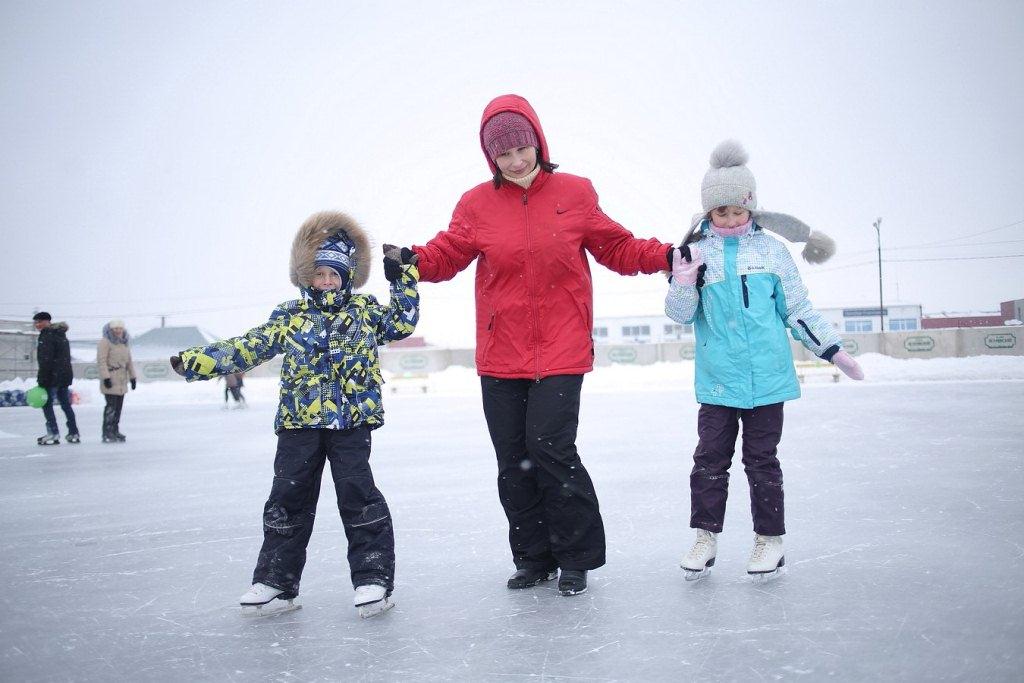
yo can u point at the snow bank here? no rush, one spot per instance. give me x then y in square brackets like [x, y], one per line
[459, 381]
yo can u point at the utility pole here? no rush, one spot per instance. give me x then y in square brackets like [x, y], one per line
[881, 310]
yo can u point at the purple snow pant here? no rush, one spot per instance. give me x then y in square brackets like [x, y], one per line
[717, 427]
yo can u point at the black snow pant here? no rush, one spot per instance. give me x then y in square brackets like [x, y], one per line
[63, 396]
[290, 511]
[548, 497]
[717, 427]
[112, 414]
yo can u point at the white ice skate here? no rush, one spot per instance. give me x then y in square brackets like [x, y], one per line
[259, 595]
[767, 560]
[48, 440]
[701, 558]
[372, 600]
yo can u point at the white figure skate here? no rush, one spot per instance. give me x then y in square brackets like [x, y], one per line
[701, 558]
[767, 560]
[259, 595]
[372, 599]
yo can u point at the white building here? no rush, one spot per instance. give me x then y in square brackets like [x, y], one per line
[653, 329]
[639, 329]
[897, 318]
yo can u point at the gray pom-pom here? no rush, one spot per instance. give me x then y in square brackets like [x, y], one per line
[729, 153]
[819, 248]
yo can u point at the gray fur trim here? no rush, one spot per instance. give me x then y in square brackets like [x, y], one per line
[312, 234]
[729, 153]
[819, 248]
[783, 225]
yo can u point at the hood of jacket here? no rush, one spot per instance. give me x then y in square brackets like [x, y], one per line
[109, 336]
[60, 329]
[312, 234]
[519, 105]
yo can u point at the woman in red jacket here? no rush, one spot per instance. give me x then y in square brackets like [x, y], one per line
[530, 229]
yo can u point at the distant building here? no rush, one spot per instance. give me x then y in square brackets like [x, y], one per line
[161, 343]
[853, 319]
[1008, 310]
[17, 349]
[639, 329]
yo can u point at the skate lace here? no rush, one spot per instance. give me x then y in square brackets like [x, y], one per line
[760, 548]
[701, 545]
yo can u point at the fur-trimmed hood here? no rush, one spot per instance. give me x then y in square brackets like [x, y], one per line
[312, 234]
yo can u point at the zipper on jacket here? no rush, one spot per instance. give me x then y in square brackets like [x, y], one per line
[808, 331]
[746, 295]
[533, 298]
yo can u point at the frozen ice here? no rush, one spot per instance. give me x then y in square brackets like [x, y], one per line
[905, 542]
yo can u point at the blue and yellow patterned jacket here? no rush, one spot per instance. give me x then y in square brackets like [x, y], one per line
[330, 376]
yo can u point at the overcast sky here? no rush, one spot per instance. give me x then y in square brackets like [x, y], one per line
[157, 157]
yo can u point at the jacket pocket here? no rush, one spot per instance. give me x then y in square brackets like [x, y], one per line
[489, 344]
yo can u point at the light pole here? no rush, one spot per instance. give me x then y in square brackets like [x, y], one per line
[881, 310]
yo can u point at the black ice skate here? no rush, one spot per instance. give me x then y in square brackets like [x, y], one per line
[527, 578]
[48, 440]
[572, 582]
[73, 438]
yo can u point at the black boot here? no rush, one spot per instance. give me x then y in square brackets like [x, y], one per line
[572, 582]
[524, 578]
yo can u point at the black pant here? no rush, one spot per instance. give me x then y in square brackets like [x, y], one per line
[552, 509]
[290, 511]
[62, 396]
[112, 414]
[717, 427]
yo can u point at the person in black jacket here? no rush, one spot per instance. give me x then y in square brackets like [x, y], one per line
[54, 356]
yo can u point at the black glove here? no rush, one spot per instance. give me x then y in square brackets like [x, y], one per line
[132, 380]
[395, 258]
[107, 383]
[177, 365]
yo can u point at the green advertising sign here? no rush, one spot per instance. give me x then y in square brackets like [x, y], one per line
[1000, 341]
[851, 346]
[415, 361]
[919, 343]
[622, 354]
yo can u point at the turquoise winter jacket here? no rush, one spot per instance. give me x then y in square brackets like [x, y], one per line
[752, 292]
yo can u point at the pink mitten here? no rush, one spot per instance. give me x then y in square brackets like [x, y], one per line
[685, 272]
[848, 365]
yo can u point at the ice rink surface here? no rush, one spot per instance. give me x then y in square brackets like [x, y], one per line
[905, 548]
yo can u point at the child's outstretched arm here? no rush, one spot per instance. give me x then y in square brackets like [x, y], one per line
[808, 326]
[237, 354]
[403, 311]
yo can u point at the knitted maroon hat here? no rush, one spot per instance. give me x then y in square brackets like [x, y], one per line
[507, 130]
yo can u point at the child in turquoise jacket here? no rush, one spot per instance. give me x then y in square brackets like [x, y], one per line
[742, 291]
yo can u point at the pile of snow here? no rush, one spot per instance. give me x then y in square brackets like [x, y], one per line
[659, 377]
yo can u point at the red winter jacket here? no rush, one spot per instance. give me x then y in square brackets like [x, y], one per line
[534, 294]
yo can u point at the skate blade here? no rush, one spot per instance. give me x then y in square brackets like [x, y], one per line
[568, 592]
[696, 574]
[761, 578]
[265, 611]
[373, 609]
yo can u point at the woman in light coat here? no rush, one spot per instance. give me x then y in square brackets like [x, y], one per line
[114, 362]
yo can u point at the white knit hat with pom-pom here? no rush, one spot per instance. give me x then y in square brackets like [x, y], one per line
[728, 182]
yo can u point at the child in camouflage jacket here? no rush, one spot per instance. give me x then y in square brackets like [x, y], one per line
[330, 401]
